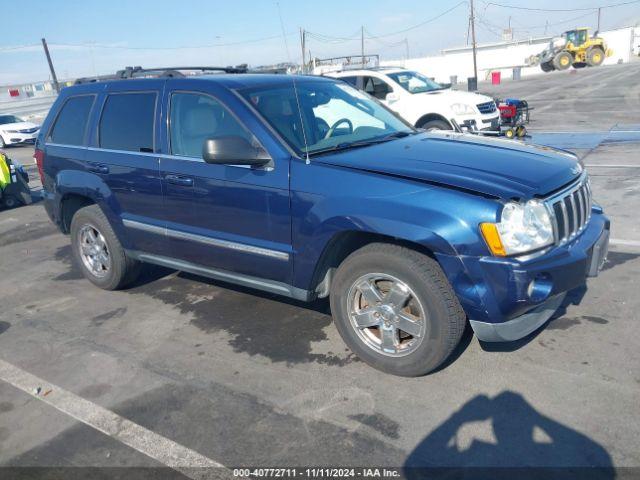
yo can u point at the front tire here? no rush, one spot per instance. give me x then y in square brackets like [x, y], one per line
[435, 125]
[2, 144]
[395, 309]
[547, 66]
[98, 252]
[563, 61]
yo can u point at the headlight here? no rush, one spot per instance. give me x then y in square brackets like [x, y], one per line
[522, 228]
[12, 131]
[462, 109]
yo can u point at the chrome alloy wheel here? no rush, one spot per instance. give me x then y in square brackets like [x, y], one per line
[94, 251]
[386, 314]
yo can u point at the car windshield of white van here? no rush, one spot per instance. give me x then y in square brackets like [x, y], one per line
[414, 82]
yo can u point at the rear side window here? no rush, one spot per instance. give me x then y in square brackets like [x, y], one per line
[71, 123]
[353, 81]
[376, 87]
[127, 122]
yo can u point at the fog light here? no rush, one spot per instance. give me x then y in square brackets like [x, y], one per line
[540, 288]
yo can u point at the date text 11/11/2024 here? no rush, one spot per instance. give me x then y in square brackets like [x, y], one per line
[316, 472]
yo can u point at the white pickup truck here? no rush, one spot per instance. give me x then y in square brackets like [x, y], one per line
[423, 102]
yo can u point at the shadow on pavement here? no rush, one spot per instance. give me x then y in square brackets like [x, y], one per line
[505, 437]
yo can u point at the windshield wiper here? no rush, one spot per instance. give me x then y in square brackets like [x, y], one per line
[362, 143]
[339, 147]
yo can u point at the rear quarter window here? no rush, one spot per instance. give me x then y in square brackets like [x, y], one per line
[127, 122]
[71, 124]
[353, 81]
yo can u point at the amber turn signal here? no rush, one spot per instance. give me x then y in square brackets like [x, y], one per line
[492, 237]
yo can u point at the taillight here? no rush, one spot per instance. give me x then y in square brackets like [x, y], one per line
[38, 157]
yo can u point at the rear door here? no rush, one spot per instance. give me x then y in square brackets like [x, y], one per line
[226, 217]
[65, 143]
[123, 153]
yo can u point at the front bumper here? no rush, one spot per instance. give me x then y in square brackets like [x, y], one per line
[506, 298]
[18, 138]
[520, 326]
[477, 123]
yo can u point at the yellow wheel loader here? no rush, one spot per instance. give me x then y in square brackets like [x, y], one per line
[574, 47]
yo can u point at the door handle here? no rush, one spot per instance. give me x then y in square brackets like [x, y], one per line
[178, 180]
[98, 168]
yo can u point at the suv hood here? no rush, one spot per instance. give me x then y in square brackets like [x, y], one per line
[500, 168]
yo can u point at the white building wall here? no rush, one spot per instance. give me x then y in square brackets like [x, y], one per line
[504, 57]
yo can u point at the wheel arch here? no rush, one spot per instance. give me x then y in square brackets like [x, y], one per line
[75, 189]
[344, 243]
[431, 116]
[70, 203]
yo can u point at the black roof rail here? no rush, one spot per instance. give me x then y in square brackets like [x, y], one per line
[158, 72]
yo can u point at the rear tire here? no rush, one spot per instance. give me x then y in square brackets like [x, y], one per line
[410, 292]
[563, 61]
[102, 261]
[435, 125]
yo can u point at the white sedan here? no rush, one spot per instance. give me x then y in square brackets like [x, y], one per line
[14, 130]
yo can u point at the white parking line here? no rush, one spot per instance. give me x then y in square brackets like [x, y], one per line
[167, 452]
[8, 220]
[592, 165]
[626, 243]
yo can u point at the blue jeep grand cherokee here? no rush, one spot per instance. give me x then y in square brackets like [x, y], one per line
[306, 187]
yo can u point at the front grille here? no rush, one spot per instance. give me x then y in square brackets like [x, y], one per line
[487, 107]
[571, 210]
[28, 130]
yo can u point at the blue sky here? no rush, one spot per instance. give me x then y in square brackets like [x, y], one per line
[92, 36]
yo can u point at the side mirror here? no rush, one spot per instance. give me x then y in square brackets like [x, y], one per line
[392, 97]
[233, 150]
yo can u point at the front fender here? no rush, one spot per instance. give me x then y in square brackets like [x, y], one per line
[442, 220]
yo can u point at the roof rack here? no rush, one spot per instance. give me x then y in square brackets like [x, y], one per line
[385, 67]
[160, 72]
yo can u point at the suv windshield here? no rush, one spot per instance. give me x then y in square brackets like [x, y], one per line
[336, 116]
[4, 119]
[414, 82]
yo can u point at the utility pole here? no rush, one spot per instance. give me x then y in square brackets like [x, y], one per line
[362, 44]
[599, 9]
[473, 44]
[53, 72]
[406, 45]
[303, 39]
